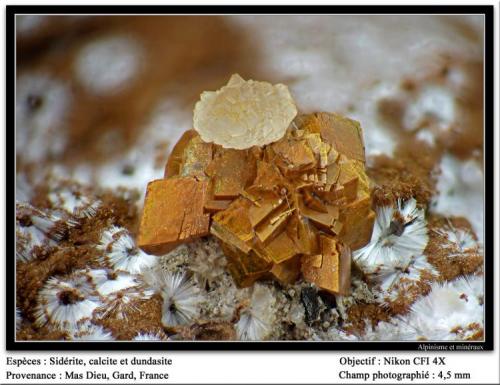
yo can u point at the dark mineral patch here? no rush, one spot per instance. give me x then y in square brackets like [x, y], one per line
[328, 299]
[310, 299]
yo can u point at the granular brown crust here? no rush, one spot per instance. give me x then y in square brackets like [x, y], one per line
[359, 313]
[408, 174]
[76, 251]
[411, 292]
[145, 319]
[450, 268]
[28, 332]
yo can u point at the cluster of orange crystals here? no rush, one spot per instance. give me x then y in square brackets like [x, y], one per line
[298, 205]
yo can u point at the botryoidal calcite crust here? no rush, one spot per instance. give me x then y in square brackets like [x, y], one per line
[295, 206]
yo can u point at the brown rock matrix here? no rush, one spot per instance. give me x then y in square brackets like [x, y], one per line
[298, 205]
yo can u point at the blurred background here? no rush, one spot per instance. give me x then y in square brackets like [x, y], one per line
[101, 100]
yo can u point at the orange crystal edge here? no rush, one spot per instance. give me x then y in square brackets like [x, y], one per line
[296, 206]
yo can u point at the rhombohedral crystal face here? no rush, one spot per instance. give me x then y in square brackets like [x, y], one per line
[296, 206]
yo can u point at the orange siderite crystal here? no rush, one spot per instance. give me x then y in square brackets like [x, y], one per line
[164, 225]
[295, 206]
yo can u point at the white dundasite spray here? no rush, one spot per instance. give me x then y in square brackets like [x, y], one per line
[64, 303]
[150, 337]
[256, 320]
[29, 241]
[181, 298]
[394, 259]
[74, 202]
[54, 224]
[452, 310]
[399, 234]
[120, 293]
[121, 253]
[88, 331]
[396, 280]
[459, 242]
[207, 261]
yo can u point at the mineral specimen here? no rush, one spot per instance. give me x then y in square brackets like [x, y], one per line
[173, 213]
[298, 205]
[244, 113]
